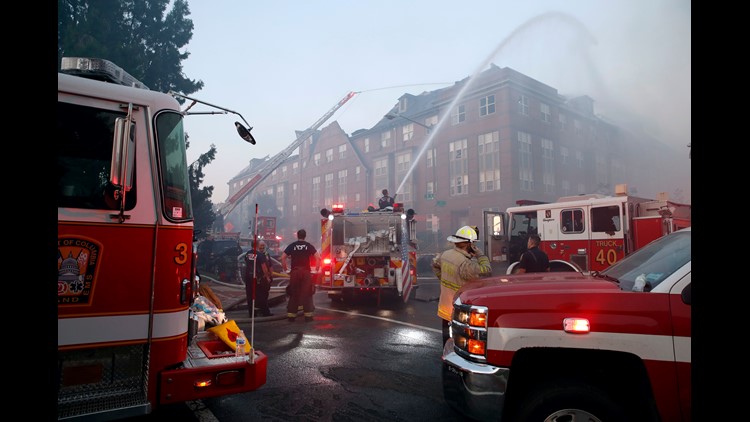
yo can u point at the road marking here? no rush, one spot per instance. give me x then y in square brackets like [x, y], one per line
[421, 327]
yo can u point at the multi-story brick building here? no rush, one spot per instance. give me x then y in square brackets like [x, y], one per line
[452, 153]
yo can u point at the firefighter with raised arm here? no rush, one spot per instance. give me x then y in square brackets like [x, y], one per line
[460, 264]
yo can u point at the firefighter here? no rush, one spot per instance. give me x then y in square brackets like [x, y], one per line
[534, 260]
[457, 266]
[301, 288]
[386, 200]
[263, 278]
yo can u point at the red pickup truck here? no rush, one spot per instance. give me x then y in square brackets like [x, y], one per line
[610, 346]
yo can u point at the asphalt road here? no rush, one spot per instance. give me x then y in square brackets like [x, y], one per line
[354, 362]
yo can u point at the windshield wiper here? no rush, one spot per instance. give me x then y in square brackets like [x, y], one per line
[597, 274]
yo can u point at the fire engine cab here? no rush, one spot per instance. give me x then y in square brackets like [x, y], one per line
[586, 232]
[126, 262]
[371, 252]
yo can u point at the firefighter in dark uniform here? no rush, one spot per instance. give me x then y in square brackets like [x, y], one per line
[262, 279]
[300, 279]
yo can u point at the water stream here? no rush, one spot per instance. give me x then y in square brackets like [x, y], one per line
[544, 17]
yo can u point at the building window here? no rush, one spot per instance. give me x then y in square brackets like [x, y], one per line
[564, 155]
[431, 121]
[563, 119]
[279, 196]
[294, 211]
[489, 161]
[431, 156]
[367, 144]
[342, 152]
[548, 166]
[579, 159]
[385, 139]
[430, 188]
[408, 131]
[295, 168]
[315, 203]
[525, 168]
[328, 189]
[402, 163]
[342, 186]
[405, 193]
[402, 104]
[380, 176]
[601, 171]
[458, 115]
[284, 171]
[316, 159]
[358, 173]
[458, 168]
[329, 155]
[487, 105]
[523, 105]
[295, 191]
[546, 116]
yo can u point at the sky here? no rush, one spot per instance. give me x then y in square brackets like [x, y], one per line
[283, 64]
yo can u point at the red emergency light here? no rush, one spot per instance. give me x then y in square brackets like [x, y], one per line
[338, 208]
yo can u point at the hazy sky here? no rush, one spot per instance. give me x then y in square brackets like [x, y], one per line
[283, 64]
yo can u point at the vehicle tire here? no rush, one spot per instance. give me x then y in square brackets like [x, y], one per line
[568, 400]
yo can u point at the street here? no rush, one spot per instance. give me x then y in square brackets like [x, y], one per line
[354, 362]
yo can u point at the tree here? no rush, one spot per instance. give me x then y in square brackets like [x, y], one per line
[140, 36]
[203, 212]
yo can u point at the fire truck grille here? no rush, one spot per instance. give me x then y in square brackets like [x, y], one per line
[101, 380]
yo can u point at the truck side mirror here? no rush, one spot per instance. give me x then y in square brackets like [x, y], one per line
[244, 133]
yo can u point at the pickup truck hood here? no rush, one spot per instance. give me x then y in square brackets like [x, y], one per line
[544, 300]
[535, 283]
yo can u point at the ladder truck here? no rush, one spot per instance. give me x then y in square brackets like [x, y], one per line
[270, 165]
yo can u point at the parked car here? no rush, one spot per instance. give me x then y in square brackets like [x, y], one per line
[218, 257]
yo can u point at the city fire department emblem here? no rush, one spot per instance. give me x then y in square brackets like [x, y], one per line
[77, 260]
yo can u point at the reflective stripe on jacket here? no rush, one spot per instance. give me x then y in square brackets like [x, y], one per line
[453, 267]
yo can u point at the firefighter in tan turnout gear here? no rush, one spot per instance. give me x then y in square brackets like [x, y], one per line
[462, 263]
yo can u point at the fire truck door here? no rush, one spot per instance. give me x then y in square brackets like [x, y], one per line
[494, 236]
[550, 226]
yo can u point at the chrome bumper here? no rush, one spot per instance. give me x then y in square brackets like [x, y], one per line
[477, 390]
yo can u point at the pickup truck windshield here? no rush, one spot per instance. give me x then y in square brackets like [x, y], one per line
[657, 260]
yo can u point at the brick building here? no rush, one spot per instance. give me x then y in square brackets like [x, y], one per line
[450, 154]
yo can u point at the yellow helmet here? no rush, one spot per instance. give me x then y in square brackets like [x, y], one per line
[464, 234]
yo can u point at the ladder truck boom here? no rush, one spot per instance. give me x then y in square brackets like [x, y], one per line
[279, 158]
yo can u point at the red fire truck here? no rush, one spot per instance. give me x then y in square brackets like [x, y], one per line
[368, 253]
[591, 232]
[126, 261]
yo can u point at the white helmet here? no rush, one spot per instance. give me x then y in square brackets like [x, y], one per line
[464, 234]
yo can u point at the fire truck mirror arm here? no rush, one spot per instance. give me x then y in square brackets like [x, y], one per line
[243, 131]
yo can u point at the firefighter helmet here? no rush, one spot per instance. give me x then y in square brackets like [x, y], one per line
[464, 234]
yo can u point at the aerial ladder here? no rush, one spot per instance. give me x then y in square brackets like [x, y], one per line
[270, 165]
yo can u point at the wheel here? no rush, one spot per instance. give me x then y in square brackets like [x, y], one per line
[569, 401]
